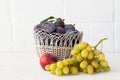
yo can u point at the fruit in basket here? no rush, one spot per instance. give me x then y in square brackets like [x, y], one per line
[46, 59]
[60, 22]
[59, 30]
[69, 27]
[49, 26]
[52, 24]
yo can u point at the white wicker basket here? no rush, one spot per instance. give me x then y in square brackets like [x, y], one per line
[56, 44]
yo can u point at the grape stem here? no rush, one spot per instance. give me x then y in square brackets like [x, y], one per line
[95, 47]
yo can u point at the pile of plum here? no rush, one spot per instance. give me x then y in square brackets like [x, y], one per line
[53, 31]
[56, 25]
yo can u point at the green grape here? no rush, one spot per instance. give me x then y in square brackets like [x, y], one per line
[75, 51]
[58, 72]
[90, 69]
[95, 64]
[52, 72]
[73, 70]
[99, 69]
[104, 63]
[101, 56]
[53, 66]
[60, 64]
[77, 66]
[96, 58]
[47, 67]
[89, 48]
[73, 58]
[84, 53]
[96, 52]
[65, 62]
[65, 70]
[90, 55]
[79, 58]
[106, 69]
[83, 64]
[84, 70]
[76, 46]
[70, 61]
[83, 45]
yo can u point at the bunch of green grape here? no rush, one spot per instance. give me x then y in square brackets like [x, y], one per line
[85, 58]
[66, 66]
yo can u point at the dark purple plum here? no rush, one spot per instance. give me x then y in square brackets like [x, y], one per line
[60, 30]
[49, 26]
[69, 27]
[60, 22]
[71, 32]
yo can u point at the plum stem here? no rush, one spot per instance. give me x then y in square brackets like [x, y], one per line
[51, 17]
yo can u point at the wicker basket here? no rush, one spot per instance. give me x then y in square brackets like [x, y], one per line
[56, 44]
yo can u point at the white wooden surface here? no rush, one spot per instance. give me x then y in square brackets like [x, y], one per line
[25, 66]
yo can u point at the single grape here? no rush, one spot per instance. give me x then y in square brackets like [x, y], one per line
[47, 67]
[75, 51]
[60, 64]
[96, 58]
[90, 55]
[74, 58]
[70, 61]
[90, 69]
[65, 62]
[58, 72]
[99, 69]
[95, 64]
[104, 63]
[52, 72]
[96, 52]
[76, 46]
[83, 64]
[65, 70]
[101, 56]
[53, 66]
[73, 70]
[49, 26]
[83, 45]
[106, 69]
[79, 58]
[84, 70]
[89, 48]
[84, 53]
[76, 64]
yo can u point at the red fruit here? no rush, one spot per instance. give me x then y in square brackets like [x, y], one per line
[47, 59]
[59, 22]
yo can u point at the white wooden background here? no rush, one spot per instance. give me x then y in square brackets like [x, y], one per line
[96, 18]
